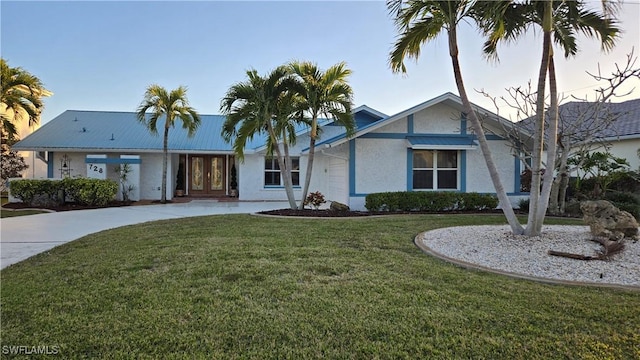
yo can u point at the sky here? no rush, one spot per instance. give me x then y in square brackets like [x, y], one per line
[102, 55]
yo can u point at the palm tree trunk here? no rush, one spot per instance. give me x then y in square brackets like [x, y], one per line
[288, 183]
[505, 204]
[533, 221]
[288, 187]
[312, 151]
[551, 145]
[165, 146]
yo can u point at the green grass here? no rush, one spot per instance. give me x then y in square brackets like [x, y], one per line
[4, 213]
[9, 213]
[240, 286]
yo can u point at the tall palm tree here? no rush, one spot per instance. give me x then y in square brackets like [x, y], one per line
[324, 93]
[422, 21]
[20, 94]
[172, 106]
[263, 105]
[560, 21]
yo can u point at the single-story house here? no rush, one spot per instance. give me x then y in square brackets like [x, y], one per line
[426, 147]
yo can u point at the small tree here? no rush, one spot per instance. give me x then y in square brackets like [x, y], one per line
[172, 106]
[12, 164]
[123, 171]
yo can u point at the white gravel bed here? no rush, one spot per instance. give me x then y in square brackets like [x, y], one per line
[497, 248]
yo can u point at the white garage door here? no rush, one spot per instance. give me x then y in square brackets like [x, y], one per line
[338, 181]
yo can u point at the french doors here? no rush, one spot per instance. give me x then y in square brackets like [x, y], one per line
[207, 175]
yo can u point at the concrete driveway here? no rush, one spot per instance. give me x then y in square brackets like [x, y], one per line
[24, 236]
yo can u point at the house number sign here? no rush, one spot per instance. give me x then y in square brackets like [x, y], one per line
[96, 171]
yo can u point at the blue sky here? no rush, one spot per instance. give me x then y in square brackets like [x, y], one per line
[102, 55]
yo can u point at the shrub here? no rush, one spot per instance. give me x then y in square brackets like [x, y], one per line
[429, 201]
[81, 190]
[95, 191]
[315, 199]
[523, 205]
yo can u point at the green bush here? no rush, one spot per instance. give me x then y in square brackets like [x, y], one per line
[93, 191]
[523, 205]
[25, 190]
[625, 201]
[429, 201]
[81, 190]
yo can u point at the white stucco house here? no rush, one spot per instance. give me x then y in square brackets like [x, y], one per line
[424, 148]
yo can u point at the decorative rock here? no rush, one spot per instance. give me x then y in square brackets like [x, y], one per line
[337, 206]
[608, 221]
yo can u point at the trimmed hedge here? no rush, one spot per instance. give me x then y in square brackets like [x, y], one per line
[429, 201]
[93, 192]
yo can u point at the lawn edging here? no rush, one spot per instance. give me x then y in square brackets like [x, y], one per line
[471, 266]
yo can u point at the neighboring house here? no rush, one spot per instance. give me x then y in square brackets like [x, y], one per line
[622, 136]
[615, 126]
[36, 160]
[427, 147]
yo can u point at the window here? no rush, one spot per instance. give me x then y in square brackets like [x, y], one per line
[272, 176]
[42, 155]
[435, 169]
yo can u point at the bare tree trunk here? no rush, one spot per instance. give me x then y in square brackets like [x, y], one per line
[505, 204]
[562, 196]
[554, 207]
[165, 146]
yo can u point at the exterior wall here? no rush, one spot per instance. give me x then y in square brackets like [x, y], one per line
[150, 171]
[395, 127]
[380, 165]
[627, 149]
[438, 119]
[251, 180]
[478, 179]
[151, 176]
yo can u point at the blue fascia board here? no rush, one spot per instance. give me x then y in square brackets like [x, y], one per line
[111, 161]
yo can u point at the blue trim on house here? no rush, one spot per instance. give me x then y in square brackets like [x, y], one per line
[409, 169]
[352, 167]
[463, 171]
[111, 161]
[50, 164]
[410, 124]
[405, 135]
[279, 187]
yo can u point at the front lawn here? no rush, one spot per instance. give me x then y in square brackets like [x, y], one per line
[242, 286]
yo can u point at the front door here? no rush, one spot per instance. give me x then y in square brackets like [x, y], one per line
[207, 175]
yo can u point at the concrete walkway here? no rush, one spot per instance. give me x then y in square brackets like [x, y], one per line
[24, 236]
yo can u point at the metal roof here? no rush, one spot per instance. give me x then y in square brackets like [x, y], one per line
[121, 131]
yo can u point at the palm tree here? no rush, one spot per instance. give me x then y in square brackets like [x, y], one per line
[21, 94]
[172, 106]
[324, 93]
[263, 105]
[422, 21]
[560, 21]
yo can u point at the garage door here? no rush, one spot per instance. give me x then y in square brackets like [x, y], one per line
[338, 182]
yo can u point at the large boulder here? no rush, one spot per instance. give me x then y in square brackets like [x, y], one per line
[338, 206]
[608, 221]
